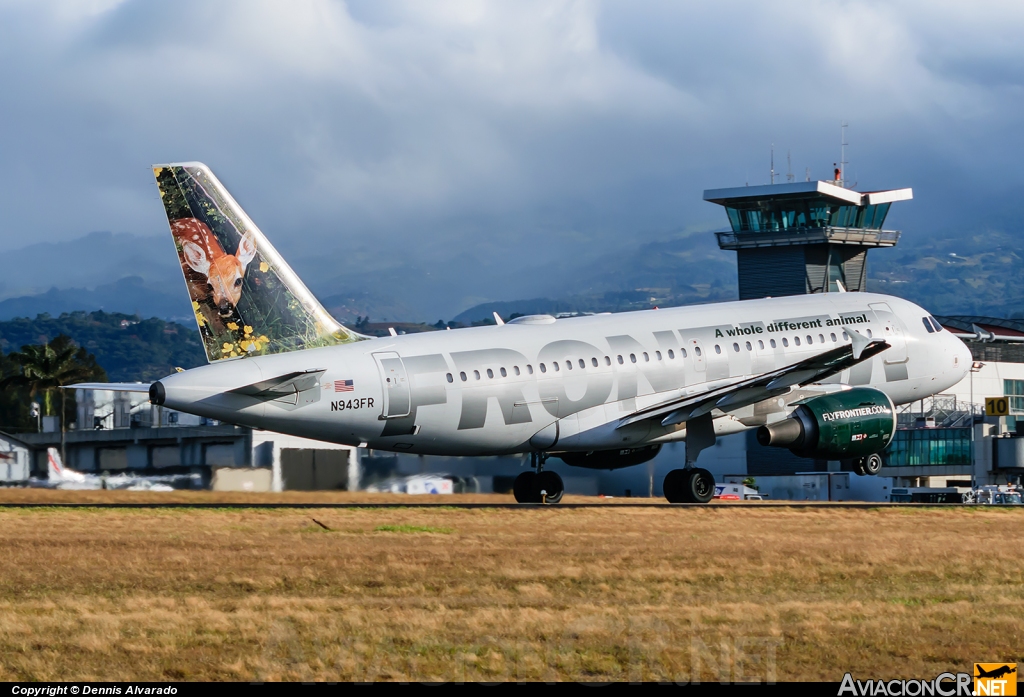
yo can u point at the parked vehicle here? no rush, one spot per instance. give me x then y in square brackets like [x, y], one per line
[1002, 495]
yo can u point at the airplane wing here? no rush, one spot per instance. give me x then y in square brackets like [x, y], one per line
[114, 386]
[760, 387]
[284, 385]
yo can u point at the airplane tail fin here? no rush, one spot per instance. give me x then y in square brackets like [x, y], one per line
[56, 472]
[246, 298]
[54, 466]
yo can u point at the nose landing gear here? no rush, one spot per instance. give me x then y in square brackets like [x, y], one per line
[542, 486]
[870, 465]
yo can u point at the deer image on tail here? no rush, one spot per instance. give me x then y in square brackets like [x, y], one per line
[222, 272]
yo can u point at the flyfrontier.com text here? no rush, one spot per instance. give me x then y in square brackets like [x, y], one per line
[792, 326]
[854, 413]
[945, 685]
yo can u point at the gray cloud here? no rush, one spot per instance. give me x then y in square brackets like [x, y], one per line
[477, 141]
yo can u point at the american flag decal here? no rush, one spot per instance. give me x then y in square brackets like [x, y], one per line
[344, 385]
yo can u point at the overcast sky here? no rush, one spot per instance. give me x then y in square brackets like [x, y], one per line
[496, 130]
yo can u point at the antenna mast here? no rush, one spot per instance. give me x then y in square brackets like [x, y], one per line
[789, 167]
[773, 163]
[842, 153]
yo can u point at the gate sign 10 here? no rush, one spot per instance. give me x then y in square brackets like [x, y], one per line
[997, 406]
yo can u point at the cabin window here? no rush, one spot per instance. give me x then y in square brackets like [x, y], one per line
[583, 363]
[657, 354]
[696, 349]
[671, 354]
[593, 362]
[869, 334]
[568, 365]
[796, 340]
[749, 347]
[555, 367]
[718, 349]
[632, 358]
[760, 344]
[503, 373]
[736, 347]
[515, 369]
[809, 340]
[846, 337]
[449, 377]
[490, 373]
[833, 335]
[529, 369]
[647, 359]
[462, 376]
[607, 360]
[620, 360]
[543, 368]
[785, 341]
[682, 352]
[774, 345]
[821, 338]
[476, 374]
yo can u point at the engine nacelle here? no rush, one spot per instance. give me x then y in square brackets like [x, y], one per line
[848, 424]
[611, 459]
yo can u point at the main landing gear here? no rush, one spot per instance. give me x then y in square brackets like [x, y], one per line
[542, 486]
[693, 485]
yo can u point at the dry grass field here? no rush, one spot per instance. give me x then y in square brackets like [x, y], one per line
[496, 594]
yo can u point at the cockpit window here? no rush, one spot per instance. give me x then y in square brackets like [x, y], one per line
[935, 323]
[928, 324]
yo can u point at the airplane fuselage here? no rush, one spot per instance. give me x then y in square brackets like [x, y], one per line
[541, 384]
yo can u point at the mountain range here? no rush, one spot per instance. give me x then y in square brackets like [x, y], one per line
[958, 272]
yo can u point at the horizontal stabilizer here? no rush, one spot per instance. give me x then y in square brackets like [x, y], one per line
[760, 387]
[113, 386]
[283, 385]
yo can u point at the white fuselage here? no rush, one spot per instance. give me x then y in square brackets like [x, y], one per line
[564, 385]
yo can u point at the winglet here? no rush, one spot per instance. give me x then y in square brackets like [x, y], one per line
[982, 335]
[497, 319]
[859, 341]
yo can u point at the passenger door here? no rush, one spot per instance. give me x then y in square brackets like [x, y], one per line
[895, 358]
[395, 379]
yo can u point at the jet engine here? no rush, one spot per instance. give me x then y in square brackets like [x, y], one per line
[610, 459]
[853, 425]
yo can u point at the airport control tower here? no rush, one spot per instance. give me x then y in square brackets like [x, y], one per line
[803, 237]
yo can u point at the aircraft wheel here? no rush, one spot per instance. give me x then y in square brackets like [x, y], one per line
[700, 486]
[872, 464]
[525, 489]
[550, 483]
[674, 486]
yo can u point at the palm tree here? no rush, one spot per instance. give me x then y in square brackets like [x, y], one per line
[46, 367]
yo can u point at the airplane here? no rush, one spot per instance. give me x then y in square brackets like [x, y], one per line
[61, 477]
[996, 672]
[820, 374]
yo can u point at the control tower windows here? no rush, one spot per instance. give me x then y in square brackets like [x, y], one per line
[802, 212]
